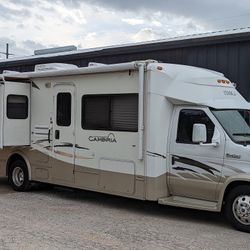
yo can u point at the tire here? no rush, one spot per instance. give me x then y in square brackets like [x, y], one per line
[237, 208]
[18, 176]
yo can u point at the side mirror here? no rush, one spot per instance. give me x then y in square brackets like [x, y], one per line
[199, 133]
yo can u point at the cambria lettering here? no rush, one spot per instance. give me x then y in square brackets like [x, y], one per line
[109, 138]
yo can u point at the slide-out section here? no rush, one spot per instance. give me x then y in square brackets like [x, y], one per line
[14, 113]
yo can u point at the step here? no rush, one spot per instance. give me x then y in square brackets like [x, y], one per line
[180, 201]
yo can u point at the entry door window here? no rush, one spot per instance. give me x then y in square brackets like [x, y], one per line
[63, 112]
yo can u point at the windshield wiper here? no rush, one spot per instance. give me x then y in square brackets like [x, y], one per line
[243, 134]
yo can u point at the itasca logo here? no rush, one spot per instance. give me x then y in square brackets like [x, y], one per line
[109, 138]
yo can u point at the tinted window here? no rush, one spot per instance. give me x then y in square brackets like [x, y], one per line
[124, 113]
[96, 112]
[63, 113]
[17, 107]
[110, 112]
[187, 118]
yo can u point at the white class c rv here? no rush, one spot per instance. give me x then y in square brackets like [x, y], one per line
[175, 134]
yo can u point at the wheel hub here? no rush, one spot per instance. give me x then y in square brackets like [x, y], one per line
[18, 176]
[241, 209]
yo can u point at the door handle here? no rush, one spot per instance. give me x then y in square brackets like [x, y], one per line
[57, 134]
[49, 135]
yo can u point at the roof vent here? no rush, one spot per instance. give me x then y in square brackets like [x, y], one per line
[10, 72]
[55, 50]
[94, 64]
[54, 66]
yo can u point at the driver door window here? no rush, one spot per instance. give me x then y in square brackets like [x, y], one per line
[187, 118]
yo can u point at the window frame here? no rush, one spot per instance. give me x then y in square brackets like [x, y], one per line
[26, 107]
[109, 128]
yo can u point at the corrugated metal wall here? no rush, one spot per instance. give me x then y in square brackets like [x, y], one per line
[227, 54]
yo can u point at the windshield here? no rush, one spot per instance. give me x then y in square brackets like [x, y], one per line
[236, 123]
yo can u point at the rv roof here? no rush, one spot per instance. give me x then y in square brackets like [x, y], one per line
[172, 70]
[186, 84]
[78, 71]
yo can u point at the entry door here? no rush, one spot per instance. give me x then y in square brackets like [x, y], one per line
[195, 170]
[64, 133]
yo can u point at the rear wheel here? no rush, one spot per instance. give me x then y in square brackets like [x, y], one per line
[238, 208]
[18, 176]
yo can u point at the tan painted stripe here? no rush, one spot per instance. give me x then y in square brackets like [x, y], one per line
[188, 176]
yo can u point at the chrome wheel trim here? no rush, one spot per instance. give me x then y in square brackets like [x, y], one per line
[241, 209]
[18, 176]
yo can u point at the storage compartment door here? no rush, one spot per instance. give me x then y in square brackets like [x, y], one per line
[16, 125]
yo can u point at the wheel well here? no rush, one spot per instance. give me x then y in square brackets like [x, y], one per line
[233, 185]
[13, 158]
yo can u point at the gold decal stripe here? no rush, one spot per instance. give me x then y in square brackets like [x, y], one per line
[83, 158]
[64, 153]
[71, 155]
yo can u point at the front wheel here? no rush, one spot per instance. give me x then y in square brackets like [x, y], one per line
[18, 176]
[238, 208]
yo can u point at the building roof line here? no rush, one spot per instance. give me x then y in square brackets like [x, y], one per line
[179, 39]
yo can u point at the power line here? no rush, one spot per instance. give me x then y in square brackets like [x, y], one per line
[228, 17]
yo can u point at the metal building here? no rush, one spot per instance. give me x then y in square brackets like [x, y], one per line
[227, 52]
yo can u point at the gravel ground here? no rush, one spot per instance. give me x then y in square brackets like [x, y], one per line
[73, 219]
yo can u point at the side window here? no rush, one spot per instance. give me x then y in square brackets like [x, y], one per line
[17, 106]
[124, 113]
[95, 112]
[110, 112]
[187, 118]
[63, 110]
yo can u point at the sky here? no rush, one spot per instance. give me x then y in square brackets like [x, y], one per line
[28, 25]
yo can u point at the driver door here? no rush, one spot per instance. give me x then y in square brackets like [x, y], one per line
[195, 170]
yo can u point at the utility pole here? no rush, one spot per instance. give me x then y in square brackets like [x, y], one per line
[7, 51]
